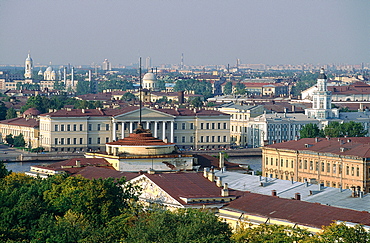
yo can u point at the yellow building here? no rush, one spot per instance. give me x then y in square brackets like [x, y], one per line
[29, 127]
[334, 162]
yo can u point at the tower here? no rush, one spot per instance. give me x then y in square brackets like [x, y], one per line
[321, 105]
[148, 63]
[28, 67]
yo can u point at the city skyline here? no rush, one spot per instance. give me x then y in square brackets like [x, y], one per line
[206, 32]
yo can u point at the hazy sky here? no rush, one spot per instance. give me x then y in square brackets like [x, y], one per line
[206, 31]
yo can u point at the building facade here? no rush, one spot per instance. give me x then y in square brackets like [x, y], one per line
[91, 129]
[334, 162]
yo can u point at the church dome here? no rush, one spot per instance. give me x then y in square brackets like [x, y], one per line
[29, 58]
[49, 69]
[150, 77]
[31, 112]
[40, 73]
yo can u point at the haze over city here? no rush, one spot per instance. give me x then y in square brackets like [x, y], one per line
[207, 32]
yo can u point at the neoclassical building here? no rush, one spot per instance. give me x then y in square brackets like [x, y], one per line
[91, 129]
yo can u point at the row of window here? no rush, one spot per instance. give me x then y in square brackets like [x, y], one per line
[328, 167]
[69, 141]
[80, 127]
[203, 139]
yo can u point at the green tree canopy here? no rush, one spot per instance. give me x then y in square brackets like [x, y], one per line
[228, 88]
[128, 96]
[191, 85]
[11, 113]
[19, 141]
[3, 111]
[310, 130]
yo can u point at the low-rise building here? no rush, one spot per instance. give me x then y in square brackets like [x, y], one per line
[335, 162]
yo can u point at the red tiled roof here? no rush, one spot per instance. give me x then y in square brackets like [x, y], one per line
[140, 139]
[90, 112]
[187, 185]
[92, 172]
[355, 88]
[305, 213]
[353, 146]
[23, 122]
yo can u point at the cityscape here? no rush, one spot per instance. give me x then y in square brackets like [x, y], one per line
[181, 129]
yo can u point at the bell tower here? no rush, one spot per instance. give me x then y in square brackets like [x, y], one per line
[28, 69]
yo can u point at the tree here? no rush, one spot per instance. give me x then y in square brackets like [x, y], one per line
[19, 141]
[128, 96]
[183, 225]
[11, 113]
[228, 88]
[9, 139]
[270, 233]
[240, 88]
[3, 110]
[310, 130]
[342, 233]
[3, 170]
[59, 85]
[350, 129]
[196, 101]
[83, 87]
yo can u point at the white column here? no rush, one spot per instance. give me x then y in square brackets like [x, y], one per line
[164, 130]
[131, 129]
[147, 125]
[172, 128]
[155, 129]
[114, 135]
[123, 130]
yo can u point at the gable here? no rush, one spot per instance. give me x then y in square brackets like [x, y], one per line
[147, 115]
[151, 192]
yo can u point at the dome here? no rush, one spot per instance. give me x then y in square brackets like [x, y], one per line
[150, 77]
[322, 74]
[32, 112]
[40, 72]
[49, 69]
[29, 58]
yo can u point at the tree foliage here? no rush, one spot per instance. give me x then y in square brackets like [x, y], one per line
[228, 88]
[11, 113]
[310, 130]
[3, 111]
[128, 96]
[194, 86]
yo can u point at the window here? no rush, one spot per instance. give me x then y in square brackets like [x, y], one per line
[218, 138]
[183, 126]
[191, 139]
[56, 128]
[291, 164]
[225, 138]
[56, 141]
[347, 170]
[68, 127]
[175, 139]
[207, 139]
[305, 164]
[218, 125]
[300, 164]
[357, 171]
[107, 127]
[68, 140]
[98, 140]
[62, 141]
[107, 139]
[322, 166]
[201, 126]
[207, 126]
[267, 160]
[74, 127]
[311, 165]
[281, 162]
[98, 127]
[183, 139]
[201, 139]
[276, 162]
[213, 126]
[90, 140]
[225, 125]
[213, 139]
[81, 127]
[334, 168]
[62, 128]
[81, 140]
[90, 127]
[352, 171]
[74, 140]
[328, 167]
[175, 126]
[191, 125]
[272, 161]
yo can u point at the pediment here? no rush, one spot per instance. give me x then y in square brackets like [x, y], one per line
[146, 114]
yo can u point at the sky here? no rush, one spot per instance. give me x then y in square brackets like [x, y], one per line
[205, 31]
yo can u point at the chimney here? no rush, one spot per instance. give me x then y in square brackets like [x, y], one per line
[78, 163]
[219, 182]
[292, 180]
[211, 176]
[222, 160]
[353, 191]
[316, 139]
[273, 193]
[225, 190]
[205, 172]
[151, 171]
[305, 183]
[321, 186]
[293, 108]
[297, 196]
[83, 110]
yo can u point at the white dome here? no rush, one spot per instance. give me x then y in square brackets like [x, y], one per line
[49, 69]
[40, 72]
[29, 58]
[150, 77]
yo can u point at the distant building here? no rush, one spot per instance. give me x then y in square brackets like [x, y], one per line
[28, 69]
[106, 65]
[334, 162]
